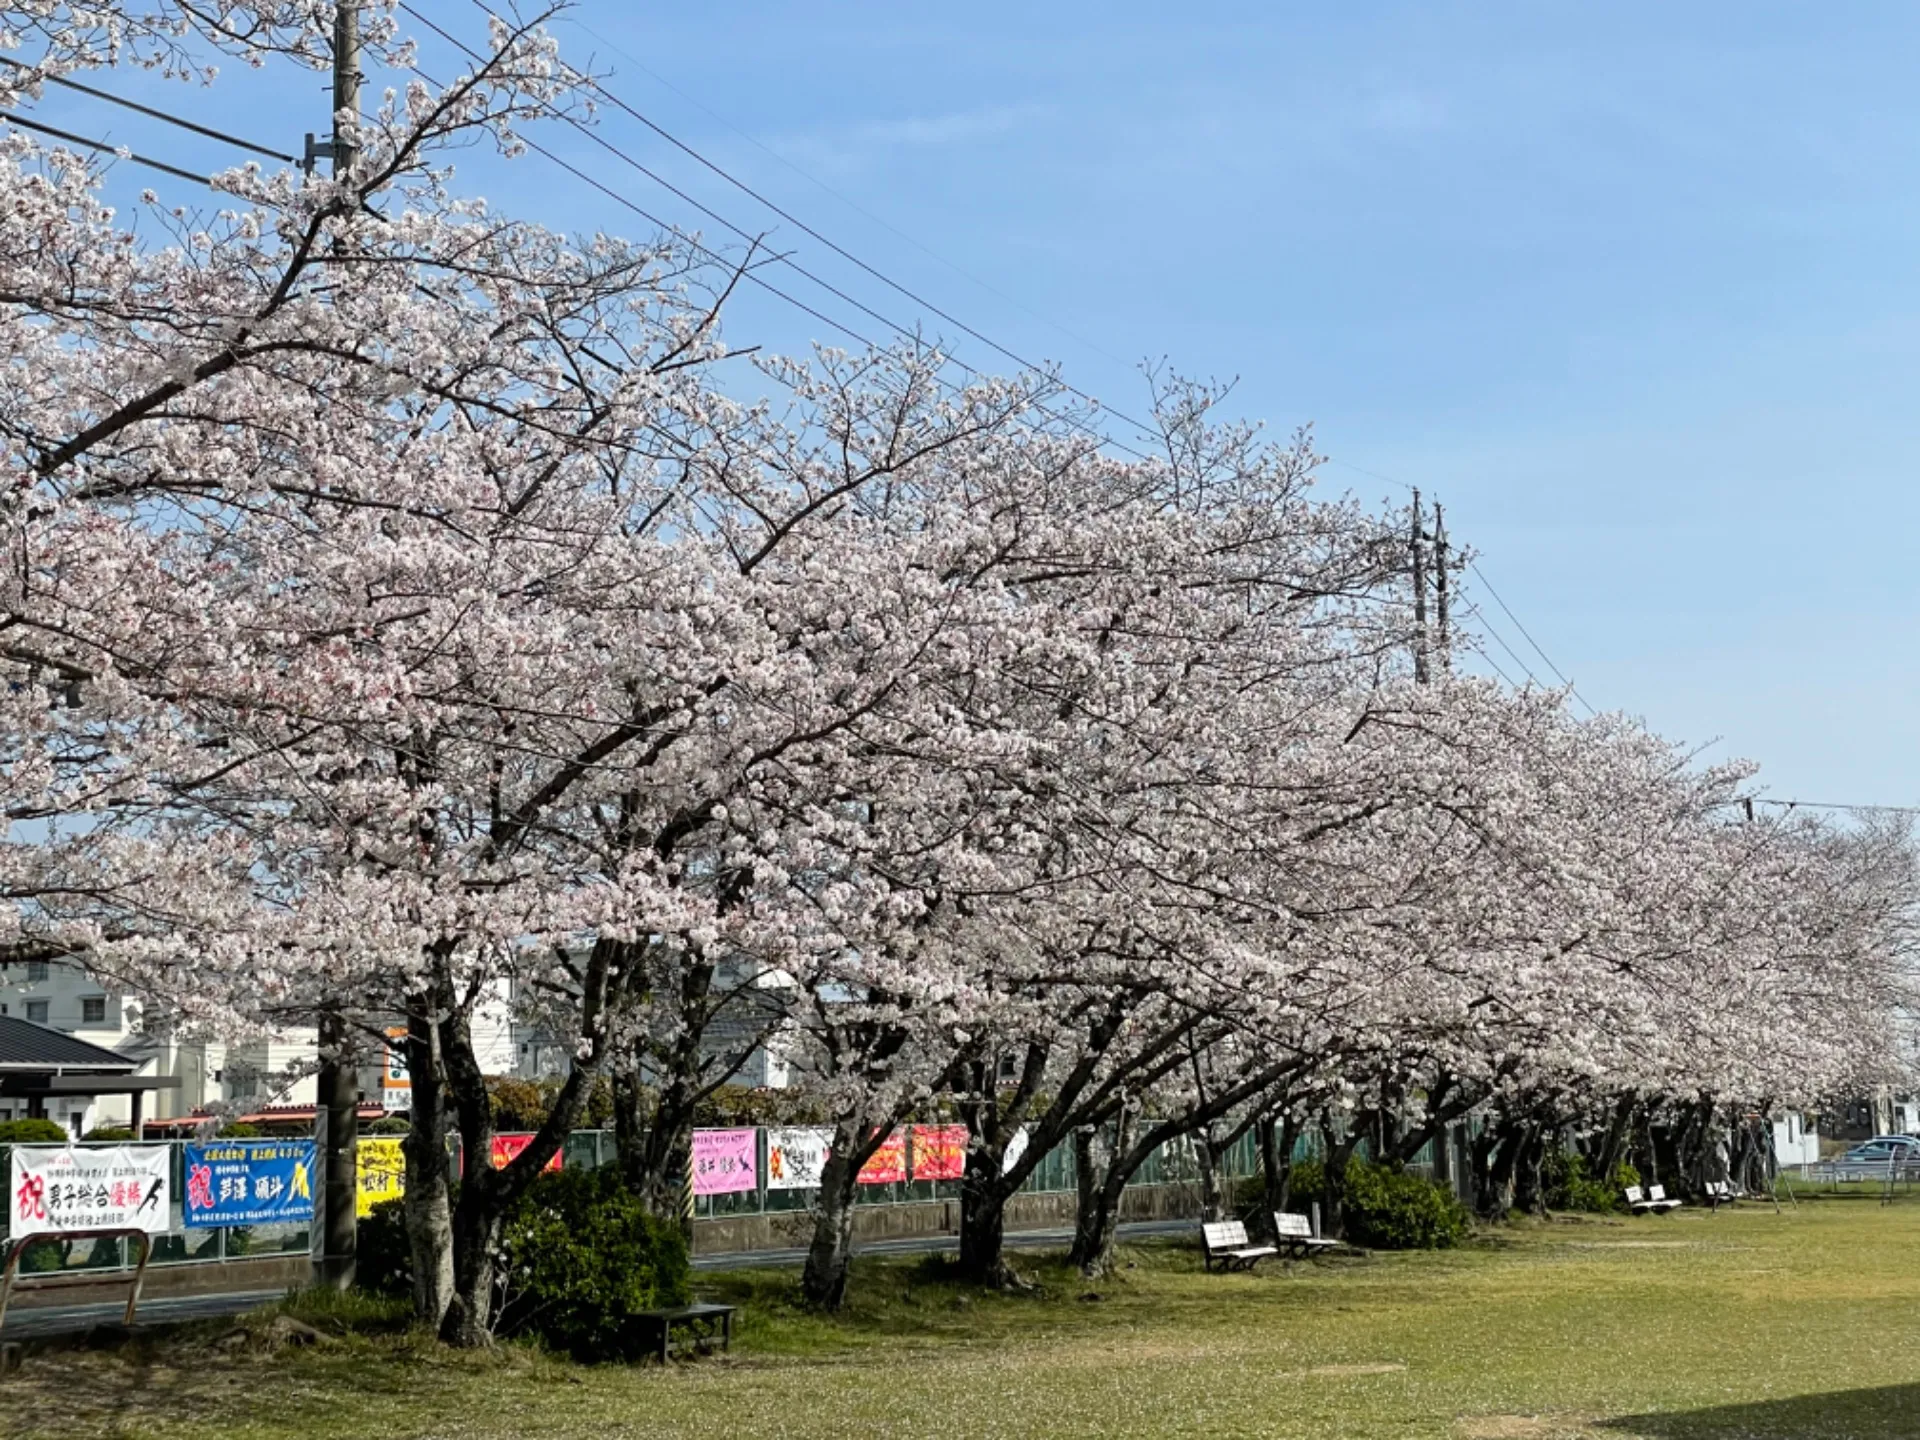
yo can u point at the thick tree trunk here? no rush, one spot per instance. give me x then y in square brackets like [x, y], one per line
[1214, 1204]
[983, 1217]
[1529, 1196]
[1338, 1154]
[468, 1322]
[1098, 1185]
[1619, 1129]
[824, 1280]
[338, 1093]
[1276, 1160]
[427, 1206]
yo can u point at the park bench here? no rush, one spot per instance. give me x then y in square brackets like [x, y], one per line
[1226, 1242]
[699, 1320]
[1719, 1192]
[1294, 1235]
[1654, 1202]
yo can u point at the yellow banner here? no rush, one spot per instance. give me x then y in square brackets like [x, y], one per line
[383, 1172]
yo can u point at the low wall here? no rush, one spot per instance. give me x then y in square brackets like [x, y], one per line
[166, 1282]
[791, 1229]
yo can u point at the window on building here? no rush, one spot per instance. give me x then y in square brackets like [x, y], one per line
[36, 971]
[37, 1011]
[93, 1010]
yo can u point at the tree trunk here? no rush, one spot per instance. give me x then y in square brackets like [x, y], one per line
[1529, 1197]
[337, 1091]
[1097, 1208]
[1276, 1160]
[983, 1216]
[824, 1281]
[468, 1322]
[1214, 1204]
[427, 1204]
[1619, 1130]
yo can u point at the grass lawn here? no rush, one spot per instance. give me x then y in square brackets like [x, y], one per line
[1746, 1324]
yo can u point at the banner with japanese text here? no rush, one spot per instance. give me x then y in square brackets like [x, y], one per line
[383, 1173]
[505, 1147]
[795, 1158]
[888, 1164]
[250, 1182]
[57, 1188]
[723, 1161]
[939, 1152]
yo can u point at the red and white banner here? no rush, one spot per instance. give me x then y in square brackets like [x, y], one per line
[56, 1190]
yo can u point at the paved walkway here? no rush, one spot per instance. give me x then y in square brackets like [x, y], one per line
[40, 1323]
[1056, 1239]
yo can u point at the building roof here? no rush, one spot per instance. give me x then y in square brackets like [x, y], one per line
[25, 1045]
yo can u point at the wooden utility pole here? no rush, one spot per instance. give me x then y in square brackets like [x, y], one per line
[1420, 669]
[338, 1084]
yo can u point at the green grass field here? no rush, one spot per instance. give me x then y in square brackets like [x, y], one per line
[1748, 1324]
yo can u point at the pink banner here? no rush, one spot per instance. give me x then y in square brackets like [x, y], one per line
[723, 1161]
[889, 1163]
[939, 1152]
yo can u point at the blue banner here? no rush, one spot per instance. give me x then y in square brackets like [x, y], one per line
[250, 1182]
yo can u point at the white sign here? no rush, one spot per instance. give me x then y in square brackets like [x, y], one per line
[795, 1158]
[1016, 1147]
[59, 1189]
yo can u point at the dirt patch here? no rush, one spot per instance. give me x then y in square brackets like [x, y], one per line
[1527, 1427]
[1378, 1367]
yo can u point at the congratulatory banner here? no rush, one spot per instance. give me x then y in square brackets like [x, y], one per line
[57, 1189]
[250, 1182]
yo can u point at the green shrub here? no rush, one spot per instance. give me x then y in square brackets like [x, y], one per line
[580, 1256]
[1389, 1209]
[383, 1262]
[1568, 1186]
[389, 1125]
[108, 1132]
[43, 1256]
[1306, 1184]
[240, 1130]
[32, 1132]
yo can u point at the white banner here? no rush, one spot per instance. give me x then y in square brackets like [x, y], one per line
[1016, 1147]
[795, 1158]
[59, 1189]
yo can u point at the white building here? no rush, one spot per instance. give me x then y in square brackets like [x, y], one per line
[1795, 1140]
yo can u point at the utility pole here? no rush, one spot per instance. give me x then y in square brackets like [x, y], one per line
[1443, 617]
[338, 1084]
[1420, 671]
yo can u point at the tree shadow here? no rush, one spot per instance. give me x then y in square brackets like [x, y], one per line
[1886, 1412]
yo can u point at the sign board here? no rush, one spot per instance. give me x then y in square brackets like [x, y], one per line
[59, 1188]
[396, 1085]
[795, 1158]
[505, 1147]
[887, 1164]
[723, 1161]
[250, 1182]
[939, 1152]
[383, 1173]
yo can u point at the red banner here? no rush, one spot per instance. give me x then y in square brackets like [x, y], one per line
[889, 1162]
[505, 1147]
[939, 1152]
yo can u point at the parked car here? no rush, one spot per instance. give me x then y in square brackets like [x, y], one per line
[1878, 1151]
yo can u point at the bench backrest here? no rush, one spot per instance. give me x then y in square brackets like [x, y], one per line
[1224, 1235]
[1288, 1224]
[1657, 1192]
[1633, 1194]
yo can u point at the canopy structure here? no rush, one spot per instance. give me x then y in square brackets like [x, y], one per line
[38, 1062]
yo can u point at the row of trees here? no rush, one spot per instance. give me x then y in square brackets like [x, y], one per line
[406, 605]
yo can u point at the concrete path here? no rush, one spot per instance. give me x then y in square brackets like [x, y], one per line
[1056, 1239]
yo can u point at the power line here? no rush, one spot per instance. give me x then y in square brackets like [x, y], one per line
[845, 200]
[1481, 577]
[103, 148]
[1836, 805]
[163, 115]
[903, 331]
[837, 249]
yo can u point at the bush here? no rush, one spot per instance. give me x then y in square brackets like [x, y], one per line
[1389, 1209]
[1568, 1186]
[32, 1132]
[580, 1256]
[389, 1125]
[240, 1130]
[108, 1132]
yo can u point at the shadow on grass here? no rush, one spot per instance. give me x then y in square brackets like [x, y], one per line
[1887, 1412]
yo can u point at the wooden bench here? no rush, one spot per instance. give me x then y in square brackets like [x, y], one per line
[1654, 1202]
[698, 1318]
[1226, 1242]
[1294, 1235]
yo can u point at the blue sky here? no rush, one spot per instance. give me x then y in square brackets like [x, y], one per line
[1632, 288]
